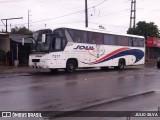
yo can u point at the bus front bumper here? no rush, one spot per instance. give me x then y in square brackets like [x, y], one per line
[40, 64]
[37, 65]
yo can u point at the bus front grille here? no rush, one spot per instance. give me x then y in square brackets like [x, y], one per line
[35, 60]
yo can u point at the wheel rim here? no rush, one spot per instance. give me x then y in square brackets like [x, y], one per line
[71, 66]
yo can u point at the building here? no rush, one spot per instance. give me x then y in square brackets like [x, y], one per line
[152, 48]
[4, 47]
[4, 42]
[12, 43]
[17, 47]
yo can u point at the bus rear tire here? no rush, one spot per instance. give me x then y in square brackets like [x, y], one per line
[71, 66]
[121, 64]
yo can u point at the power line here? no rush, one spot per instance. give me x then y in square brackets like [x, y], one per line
[65, 14]
[109, 25]
[68, 23]
[9, 19]
[59, 16]
[71, 13]
[117, 12]
[100, 3]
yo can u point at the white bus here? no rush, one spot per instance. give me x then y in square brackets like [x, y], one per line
[69, 49]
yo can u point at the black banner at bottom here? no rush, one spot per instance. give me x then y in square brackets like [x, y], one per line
[53, 114]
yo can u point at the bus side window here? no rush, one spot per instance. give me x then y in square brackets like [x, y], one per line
[138, 42]
[110, 39]
[63, 43]
[141, 43]
[130, 41]
[91, 37]
[135, 42]
[122, 41]
[60, 32]
[126, 41]
[76, 36]
[58, 44]
[84, 37]
[98, 38]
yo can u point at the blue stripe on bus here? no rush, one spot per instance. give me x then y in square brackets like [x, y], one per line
[139, 54]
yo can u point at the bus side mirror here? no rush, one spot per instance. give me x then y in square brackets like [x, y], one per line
[43, 38]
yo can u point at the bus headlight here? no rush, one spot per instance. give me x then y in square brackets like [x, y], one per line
[42, 61]
[45, 60]
[45, 67]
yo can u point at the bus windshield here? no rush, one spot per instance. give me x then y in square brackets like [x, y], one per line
[38, 45]
[54, 41]
[44, 46]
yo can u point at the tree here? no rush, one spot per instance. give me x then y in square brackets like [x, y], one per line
[21, 30]
[145, 29]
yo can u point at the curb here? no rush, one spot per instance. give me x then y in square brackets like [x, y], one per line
[10, 70]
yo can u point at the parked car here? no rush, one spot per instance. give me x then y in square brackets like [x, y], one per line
[158, 62]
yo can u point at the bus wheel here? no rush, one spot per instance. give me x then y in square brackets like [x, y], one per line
[71, 66]
[158, 65]
[121, 64]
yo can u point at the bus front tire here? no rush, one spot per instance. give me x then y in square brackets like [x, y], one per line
[71, 66]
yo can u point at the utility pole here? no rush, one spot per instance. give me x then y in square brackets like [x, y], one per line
[7, 21]
[28, 19]
[133, 14]
[86, 14]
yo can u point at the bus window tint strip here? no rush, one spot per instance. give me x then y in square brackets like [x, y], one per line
[80, 36]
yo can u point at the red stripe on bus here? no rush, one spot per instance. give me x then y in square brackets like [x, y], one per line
[110, 54]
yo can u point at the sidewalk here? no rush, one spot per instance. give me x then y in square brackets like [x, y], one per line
[12, 69]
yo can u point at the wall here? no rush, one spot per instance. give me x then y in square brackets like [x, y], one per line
[4, 42]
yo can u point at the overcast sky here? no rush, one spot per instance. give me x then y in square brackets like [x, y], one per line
[114, 15]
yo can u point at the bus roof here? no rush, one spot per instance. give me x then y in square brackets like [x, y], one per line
[103, 31]
[99, 31]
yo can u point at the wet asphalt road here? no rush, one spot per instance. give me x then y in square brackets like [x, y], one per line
[45, 91]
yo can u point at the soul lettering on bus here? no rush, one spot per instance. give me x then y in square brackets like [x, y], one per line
[84, 47]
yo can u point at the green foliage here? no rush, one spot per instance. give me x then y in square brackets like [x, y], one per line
[21, 30]
[145, 29]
